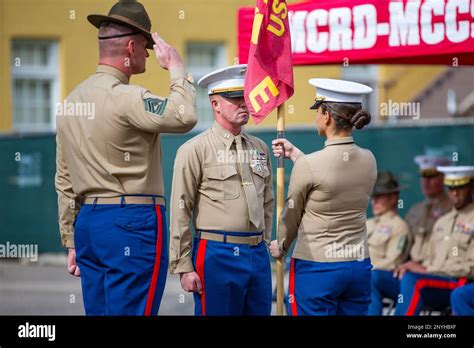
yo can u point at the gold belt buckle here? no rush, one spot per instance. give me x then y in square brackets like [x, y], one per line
[254, 240]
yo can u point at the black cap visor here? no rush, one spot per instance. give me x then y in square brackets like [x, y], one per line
[231, 94]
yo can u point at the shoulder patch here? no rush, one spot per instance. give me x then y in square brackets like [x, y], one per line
[402, 241]
[155, 106]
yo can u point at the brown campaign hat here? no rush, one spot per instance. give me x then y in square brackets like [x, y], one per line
[130, 13]
[386, 183]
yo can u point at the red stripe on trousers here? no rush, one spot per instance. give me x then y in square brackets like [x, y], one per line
[156, 268]
[430, 283]
[292, 299]
[201, 254]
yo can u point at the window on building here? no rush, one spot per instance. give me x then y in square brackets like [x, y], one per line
[202, 58]
[35, 86]
[368, 75]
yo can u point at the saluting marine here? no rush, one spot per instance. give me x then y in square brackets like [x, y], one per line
[448, 264]
[109, 172]
[388, 237]
[325, 210]
[222, 184]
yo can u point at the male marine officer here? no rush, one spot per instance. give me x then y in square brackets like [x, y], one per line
[422, 216]
[447, 265]
[222, 183]
[109, 173]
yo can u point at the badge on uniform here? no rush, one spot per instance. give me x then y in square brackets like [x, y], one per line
[402, 242]
[463, 228]
[385, 229]
[155, 106]
[258, 161]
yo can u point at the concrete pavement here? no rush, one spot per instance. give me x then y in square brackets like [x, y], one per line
[45, 288]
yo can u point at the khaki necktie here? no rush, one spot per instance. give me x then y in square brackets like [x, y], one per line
[249, 187]
[424, 218]
[454, 223]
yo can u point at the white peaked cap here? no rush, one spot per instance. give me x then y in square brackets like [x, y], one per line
[339, 91]
[428, 163]
[227, 81]
[457, 175]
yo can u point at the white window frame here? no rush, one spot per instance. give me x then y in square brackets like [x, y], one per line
[31, 72]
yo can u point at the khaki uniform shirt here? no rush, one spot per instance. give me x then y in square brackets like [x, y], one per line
[421, 219]
[207, 190]
[452, 244]
[470, 260]
[116, 149]
[325, 210]
[388, 237]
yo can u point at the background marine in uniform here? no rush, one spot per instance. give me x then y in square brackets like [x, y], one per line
[422, 216]
[388, 237]
[448, 263]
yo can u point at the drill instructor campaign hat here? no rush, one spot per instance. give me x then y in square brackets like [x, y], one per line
[386, 183]
[130, 13]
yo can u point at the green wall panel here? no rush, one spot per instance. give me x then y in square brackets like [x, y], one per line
[28, 207]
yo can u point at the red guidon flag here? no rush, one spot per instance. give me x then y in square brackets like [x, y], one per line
[269, 77]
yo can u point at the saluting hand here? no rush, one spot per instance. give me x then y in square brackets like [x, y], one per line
[274, 249]
[290, 150]
[191, 282]
[72, 267]
[166, 55]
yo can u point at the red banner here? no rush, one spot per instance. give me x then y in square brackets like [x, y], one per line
[375, 31]
[269, 76]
